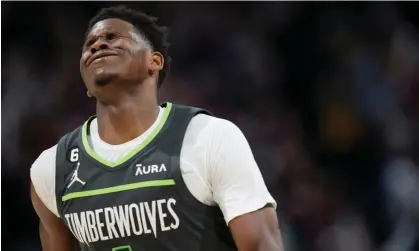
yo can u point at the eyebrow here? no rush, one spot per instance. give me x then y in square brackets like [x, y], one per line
[105, 30]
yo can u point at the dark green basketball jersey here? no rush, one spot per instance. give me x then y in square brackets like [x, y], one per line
[140, 203]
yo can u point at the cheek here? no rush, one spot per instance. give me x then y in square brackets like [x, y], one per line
[82, 62]
[81, 69]
[84, 57]
[138, 66]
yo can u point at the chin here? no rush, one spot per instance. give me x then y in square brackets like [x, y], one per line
[104, 78]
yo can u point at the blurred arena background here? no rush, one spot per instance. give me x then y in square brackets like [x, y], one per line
[326, 93]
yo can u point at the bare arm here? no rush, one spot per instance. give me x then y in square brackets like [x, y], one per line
[53, 232]
[44, 237]
[257, 231]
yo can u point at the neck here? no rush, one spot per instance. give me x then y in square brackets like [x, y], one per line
[126, 119]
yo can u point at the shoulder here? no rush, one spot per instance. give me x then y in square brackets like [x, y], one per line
[45, 161]
[206, 126]
[233, 176]
[216, 134]
[201, 141]
[213, 137]
[43, 177]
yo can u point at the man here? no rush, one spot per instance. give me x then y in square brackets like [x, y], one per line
[139, 176]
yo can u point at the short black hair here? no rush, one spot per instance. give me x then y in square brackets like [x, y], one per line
[146, 25]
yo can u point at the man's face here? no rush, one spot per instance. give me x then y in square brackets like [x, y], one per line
[113, 49]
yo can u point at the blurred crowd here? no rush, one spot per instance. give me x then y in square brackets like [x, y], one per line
[327, 94]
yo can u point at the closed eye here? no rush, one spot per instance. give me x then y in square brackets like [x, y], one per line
[89, 43]
[110, 36]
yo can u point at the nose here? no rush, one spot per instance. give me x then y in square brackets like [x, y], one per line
[100, 44]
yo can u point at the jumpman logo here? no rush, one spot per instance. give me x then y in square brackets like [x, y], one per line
[75, 177]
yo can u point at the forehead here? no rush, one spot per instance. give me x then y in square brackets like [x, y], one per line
[111, 24]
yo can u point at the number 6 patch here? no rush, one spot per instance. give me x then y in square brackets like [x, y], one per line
[73, 155]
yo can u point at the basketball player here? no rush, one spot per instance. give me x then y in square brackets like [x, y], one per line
[143, 177]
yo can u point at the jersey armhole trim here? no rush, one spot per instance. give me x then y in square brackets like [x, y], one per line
[181, 186]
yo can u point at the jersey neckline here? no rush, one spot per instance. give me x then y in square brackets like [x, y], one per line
[135, 151]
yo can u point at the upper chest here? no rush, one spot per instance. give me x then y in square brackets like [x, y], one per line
[95, 174]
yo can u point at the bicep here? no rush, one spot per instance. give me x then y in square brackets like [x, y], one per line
[257, 231]
[53, 232]
[44, 236]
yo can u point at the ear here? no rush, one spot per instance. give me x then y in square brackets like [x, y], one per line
[156, 61]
